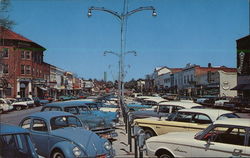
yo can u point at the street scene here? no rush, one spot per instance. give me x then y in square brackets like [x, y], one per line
[124, 78]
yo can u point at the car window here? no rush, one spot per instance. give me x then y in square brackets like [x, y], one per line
[176, 108]
[51, 109]
[183, 117]
[72, 110]
[1, 102]
[83, 109]
[164, 108]
[248, 140]
[226, 135]
[64, 121]
[39, 125]
[229, 115]
[201, 119]
[22, 143]
[26, 123]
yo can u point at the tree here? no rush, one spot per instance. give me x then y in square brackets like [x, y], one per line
[4, 16]
[5, 23]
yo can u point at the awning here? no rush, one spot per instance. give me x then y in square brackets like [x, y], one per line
[42, 88]
[242, 87]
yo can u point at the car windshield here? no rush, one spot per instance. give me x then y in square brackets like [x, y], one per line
[64, 121]
[229, 115]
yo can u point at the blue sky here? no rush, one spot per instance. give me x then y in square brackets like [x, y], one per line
[185, 31]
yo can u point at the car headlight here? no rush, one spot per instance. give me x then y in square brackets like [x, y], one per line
[107, 145]
[77, 152]
[113, 124]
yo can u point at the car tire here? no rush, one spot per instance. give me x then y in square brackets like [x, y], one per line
[57, 154]
[1, 111]
[18, 108]
[164, 154]
[149, 133]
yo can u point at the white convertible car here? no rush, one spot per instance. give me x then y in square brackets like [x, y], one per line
[224, 138]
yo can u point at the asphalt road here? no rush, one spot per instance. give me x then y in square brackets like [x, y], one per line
[121, 145]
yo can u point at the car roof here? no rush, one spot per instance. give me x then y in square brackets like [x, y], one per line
[212, 113]
[47, 115]
[234, 121]
[156, 99]
[181, 103]
[68, 103]
[11, 129]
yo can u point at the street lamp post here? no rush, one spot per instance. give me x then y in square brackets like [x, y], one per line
[123, 20]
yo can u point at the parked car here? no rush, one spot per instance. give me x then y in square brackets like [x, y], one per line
[5, 105]
[23, 103]
[67, 97]
[64, 97]
[48, 98]
[59, 134]
[95, 108]
[163, 109]
[1, 109]
[15, 142]
[238, 104]
[40, 102]
[221, 102]
[182, 120]
[224, 138]
[92, 121]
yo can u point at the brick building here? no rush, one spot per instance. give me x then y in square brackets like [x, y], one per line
[22, 66]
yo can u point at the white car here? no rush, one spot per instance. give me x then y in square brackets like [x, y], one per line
[6, 105]
[223, 138]
[23, 103]
[220, 103]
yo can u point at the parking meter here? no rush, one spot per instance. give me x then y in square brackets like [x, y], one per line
[141, 139]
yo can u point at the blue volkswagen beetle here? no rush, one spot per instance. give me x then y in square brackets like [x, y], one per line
[15, 142]
[59, 134]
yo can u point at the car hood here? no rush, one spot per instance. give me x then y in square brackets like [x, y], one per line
[93, 121]
[91, 143]
[174, 137]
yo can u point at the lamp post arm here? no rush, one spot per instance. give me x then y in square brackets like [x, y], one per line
[106, 10]
[131, 52]
[139, 9]
[110, 52]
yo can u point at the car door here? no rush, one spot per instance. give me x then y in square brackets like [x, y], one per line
[40, 136]
[221, 142]
[179, 123]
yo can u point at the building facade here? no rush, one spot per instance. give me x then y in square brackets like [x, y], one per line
[243, 67]
[22, 66]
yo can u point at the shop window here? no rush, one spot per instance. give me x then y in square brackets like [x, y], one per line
[22, 69]
[28, 69]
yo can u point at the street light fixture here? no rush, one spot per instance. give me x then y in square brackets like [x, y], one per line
[122, 17]
[89, 13]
